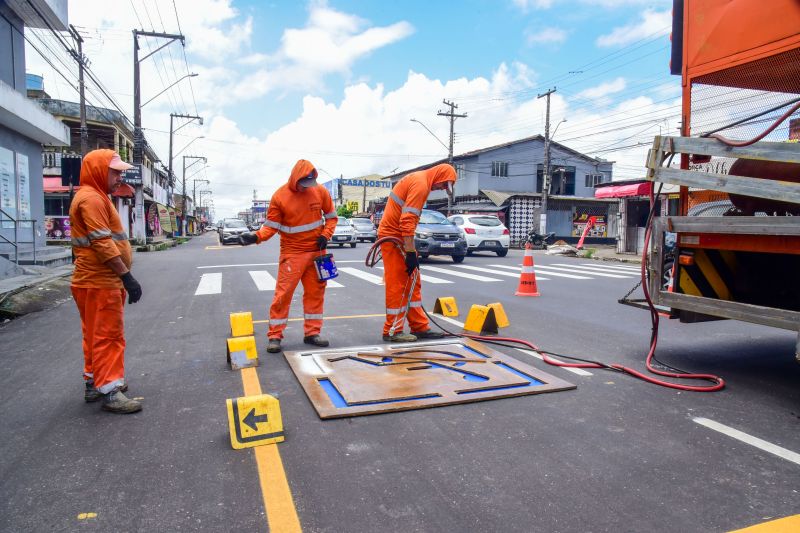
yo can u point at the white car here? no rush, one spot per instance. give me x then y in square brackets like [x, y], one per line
[343, 234]
[483, 233]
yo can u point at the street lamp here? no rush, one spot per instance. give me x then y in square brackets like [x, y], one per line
[429, 131]
[451, 192]
[556, 128]
[188, 145]
[192, 75]
[172, 131]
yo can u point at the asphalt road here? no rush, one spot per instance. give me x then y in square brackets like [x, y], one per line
[616, 454]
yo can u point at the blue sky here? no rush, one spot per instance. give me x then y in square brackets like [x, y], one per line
[337, 82]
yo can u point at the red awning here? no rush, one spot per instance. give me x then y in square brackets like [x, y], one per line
[623, 191]
[124, 191]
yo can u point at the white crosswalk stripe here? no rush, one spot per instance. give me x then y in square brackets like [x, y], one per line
[430, 279]
[614, 268]
[366, 276]
[538, 268]
[590, 270]
[475, 277]
[263, 280]
[209, 284]
[496, 272]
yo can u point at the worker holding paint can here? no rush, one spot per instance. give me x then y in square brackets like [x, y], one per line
[399, 222]
[302, 212]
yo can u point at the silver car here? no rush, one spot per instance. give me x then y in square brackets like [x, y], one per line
[343, 234]
[230, 229]
[364, 229]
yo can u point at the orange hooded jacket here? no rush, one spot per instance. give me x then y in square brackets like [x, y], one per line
[97, 233]
[300, 216]
[407, 198]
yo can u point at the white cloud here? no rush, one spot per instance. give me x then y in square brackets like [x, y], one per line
[546, 35]
[602, 90]
[651, 23]
[527, 5]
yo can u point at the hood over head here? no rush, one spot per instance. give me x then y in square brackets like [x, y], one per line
[94, 169]
[440, 174]
[301, 170]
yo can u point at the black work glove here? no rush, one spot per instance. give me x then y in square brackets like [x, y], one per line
[132, 286]
[248, 238]
[412, 262]
[322, 242]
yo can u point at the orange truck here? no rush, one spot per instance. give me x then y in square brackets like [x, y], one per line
[734, 249]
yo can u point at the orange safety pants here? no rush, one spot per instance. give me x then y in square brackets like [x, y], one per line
[101, 313]
[397, 283]
[292, 269]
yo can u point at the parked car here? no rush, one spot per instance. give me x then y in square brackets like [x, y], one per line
[436, 235]
[365, 230]
[343, 234]
[483, 233]
[230, 229]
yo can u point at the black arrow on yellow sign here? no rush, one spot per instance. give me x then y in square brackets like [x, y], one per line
[252, 419]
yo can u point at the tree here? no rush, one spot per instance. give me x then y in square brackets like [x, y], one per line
[344, 211]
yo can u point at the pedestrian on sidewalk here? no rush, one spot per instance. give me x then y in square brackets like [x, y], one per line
[302, 211]
[101, 279]
[400, 220]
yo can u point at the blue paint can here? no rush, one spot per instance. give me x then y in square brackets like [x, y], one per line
[326, 268]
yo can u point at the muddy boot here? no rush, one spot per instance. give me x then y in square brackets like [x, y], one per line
[316, 340]
[116, 402]
[400, 337]
[274, 346]
[428, 334]
[91, 394]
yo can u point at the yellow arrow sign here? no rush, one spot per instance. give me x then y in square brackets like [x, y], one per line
[254, 421]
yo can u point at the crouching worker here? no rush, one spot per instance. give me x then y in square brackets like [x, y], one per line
[302, 211]
[400, 220]
[101, 279]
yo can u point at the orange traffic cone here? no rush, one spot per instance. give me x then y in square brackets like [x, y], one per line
[527, 279]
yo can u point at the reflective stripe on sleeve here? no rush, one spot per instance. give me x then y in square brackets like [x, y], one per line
[414, 210]
[397, 199]
[293, 229]
[119, 236]
[330, 215]
[312, 316]
[272, 224]
[99, 234]
[81, 242]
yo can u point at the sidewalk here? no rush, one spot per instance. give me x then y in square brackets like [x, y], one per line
[29, 293]
[609, 253]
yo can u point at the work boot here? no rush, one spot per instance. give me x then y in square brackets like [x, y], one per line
[116, 402]
[90, 393]
[400, 337]
[428, 334]
[316, 340]
[274, 346]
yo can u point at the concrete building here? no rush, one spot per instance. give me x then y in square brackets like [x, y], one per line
[357, 193]
[506, 180]
[24, 128]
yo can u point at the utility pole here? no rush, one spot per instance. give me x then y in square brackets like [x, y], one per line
[194, 190]
[138, 136]
[546, 166]
[81, 65]
[171, 132]
[364, 196]
[453, 116]
[183, 195]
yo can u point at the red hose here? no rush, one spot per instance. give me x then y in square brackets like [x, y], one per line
[754, 140]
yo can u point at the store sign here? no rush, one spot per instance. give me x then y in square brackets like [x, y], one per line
[132, 176]
[164, 219]
[57, 228]
[580, 220]
[384, 184]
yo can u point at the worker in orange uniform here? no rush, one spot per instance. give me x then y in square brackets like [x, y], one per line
[101, 279]
[400, 219]
[302, 211]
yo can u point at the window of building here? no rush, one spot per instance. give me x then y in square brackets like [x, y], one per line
[593, 180]
[499, 169]
[461, 171]
[562, 179]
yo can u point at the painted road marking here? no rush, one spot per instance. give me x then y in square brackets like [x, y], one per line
[614, 267]
[278, 501]
[577, 270]
[496, 272]
[579, 371]
[372, 278]
[537, 267]
[476, 277]
[599, 271]
[268, 264]
[430, 279]
[334, 284]
[761, 444]
[209, 284]
[263, 280]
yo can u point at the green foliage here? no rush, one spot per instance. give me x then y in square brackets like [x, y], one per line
[344, 211]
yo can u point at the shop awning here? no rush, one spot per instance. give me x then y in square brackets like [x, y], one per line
[124, 191]
[623, 191]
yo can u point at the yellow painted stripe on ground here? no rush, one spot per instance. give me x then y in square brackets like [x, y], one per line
[325, 318]
[687, 285]
[790, 524]
[278, 502]
[712, 276]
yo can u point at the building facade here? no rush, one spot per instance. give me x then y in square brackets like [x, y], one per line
[356, 193]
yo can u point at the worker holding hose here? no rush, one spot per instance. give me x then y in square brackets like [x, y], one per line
[302, 211]
[401, 275]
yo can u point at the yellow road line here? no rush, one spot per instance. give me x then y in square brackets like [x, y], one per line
[326, 318]
[781, 525]
[278, 502]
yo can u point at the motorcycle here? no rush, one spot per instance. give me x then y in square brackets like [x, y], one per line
[539, 241]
